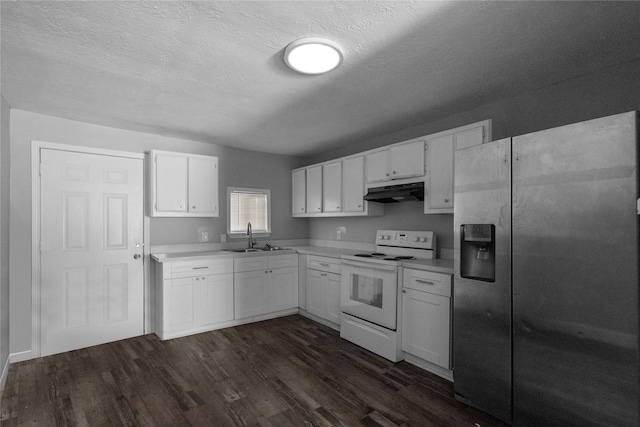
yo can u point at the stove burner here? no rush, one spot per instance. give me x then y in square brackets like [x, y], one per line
[379, 255]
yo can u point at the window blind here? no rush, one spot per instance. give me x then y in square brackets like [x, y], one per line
[248, 207]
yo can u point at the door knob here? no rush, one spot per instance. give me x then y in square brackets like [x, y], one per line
[137, 256]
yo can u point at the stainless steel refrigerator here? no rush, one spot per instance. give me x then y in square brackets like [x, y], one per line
[546, 302]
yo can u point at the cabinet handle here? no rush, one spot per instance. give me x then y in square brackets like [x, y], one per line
[446, 200]
[386, 174]
[199, 268]
[204, 278]
[394, 172]
[193, 207]
[197, 278]
[404, 292]
[324, 264]
[426, 282]
[337, 207]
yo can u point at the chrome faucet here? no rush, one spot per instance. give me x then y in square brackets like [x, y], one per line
[250, 233]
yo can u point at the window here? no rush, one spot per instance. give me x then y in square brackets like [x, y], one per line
[248, 205]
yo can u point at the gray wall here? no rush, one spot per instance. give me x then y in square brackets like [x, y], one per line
[610, 91]
[238, 168]
[4, 232]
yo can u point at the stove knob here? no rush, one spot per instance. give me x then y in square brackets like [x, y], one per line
[380, 237]
[423, 239]
[416, 239]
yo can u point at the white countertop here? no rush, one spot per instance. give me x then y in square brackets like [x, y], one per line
[439, 265]
[189, 256]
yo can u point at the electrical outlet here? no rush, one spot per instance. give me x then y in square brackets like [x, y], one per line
[203, 234]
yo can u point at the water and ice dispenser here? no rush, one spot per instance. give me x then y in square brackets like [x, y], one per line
[477, 252]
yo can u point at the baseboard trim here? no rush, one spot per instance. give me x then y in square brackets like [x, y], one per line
[3, 378]
[20, 356]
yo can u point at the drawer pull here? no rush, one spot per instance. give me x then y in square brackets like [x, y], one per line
[426, 282]
[324, 264]
[200, 268]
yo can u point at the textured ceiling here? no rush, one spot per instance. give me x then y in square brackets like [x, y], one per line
[212, 71]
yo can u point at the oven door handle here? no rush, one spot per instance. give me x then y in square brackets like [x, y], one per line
[371, 265]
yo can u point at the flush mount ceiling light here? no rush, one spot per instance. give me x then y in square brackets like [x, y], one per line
[312, 55]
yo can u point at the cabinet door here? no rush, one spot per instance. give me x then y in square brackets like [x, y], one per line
[316, 299]
[353, 184]
[283, 289]
[203, 185]
[179, 300]
[440, 153]
[170, 182]
[314, 190]
[332, 187]
[407, 160]
[216, 298]
[377, 166]
[298, 185]
[425, 326]
[470, 137]
[333, 297]
[249, 294]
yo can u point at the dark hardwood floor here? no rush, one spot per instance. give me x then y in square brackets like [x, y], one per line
[289, 371]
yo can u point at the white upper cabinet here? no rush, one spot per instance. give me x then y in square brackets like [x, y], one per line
[203, 186]
[183, 184]
[407, 160]
[399, 161]
[337, 187]
[353, 184]
[440, 166]
[377, 166]
[332, 187]
[440, 152]
[314, 189]
[299, 196]
[171, 182]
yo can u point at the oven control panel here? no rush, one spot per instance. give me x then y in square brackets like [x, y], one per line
[407, 239]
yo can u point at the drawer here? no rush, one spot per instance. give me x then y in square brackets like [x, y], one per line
[201, 268]
[281, 261]
[330, 265]
[427, 281]
[251, 263]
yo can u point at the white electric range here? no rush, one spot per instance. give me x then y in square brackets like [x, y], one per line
[370, 289]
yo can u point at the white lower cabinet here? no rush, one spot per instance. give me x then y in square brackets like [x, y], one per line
[426, 316]
[194, 296]
[323, 288]
[265, 284]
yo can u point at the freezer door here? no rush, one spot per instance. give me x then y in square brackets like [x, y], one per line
[575, 275]
[482, 308]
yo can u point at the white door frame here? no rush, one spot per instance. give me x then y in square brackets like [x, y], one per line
[36, 146]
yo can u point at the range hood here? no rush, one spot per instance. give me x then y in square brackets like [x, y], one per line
[396, 193]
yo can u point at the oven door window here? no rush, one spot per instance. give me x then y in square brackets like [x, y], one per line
[370, 293]
[367, 290]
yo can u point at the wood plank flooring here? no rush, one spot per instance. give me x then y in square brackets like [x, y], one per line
[288, 371]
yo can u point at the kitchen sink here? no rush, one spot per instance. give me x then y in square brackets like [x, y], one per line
[262, 249]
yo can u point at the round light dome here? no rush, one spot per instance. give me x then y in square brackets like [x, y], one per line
[312, 55]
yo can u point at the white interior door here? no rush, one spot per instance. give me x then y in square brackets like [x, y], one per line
[91, 285]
